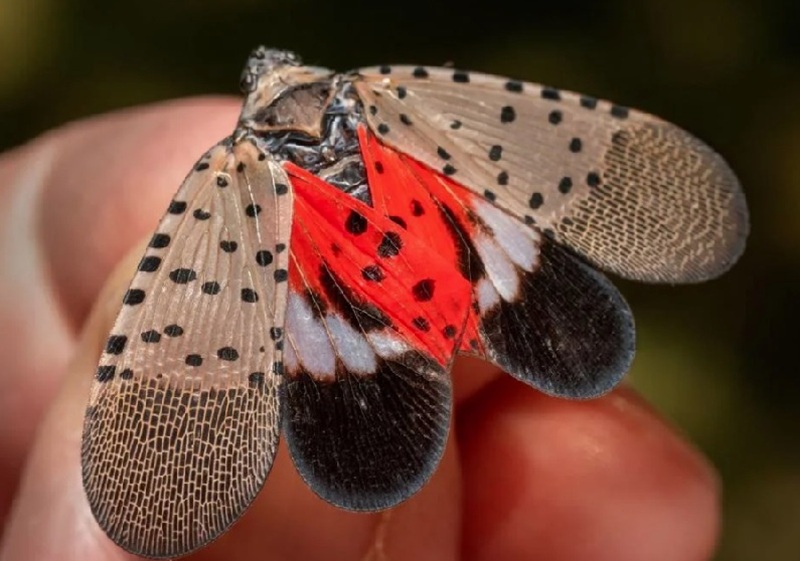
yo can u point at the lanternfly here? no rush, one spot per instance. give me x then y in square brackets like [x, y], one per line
[319, 270]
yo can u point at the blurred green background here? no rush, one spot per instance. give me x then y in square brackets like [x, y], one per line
[718, 359]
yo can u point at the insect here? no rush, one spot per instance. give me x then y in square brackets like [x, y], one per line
[319, 270]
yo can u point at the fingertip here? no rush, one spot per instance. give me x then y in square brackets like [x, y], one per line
[470, 376]
[566, 480]
[50, 518]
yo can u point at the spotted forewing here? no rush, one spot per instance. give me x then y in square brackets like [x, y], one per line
[631, 193]
[320, 269]
[184, 415]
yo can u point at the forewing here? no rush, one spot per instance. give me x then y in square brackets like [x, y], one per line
[373, 323]
[634, 194]
[183, 420]
[538, 312]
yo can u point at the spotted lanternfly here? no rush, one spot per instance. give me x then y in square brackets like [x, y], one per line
[319, 270]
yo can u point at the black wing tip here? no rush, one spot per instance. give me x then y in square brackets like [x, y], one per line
[366, 500]
[621, 334]
[612, 363]
[570, 335]
[368, 443]
[617, 360]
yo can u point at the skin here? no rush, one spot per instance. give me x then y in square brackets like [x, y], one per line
[525, 476]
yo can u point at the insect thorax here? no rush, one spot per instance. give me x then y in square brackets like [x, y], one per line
[335, 155]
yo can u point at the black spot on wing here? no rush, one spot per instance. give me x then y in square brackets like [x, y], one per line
[551, 94]
[177, 207]
[116, 344]
[356, 224]
[507, 114]
[423, 290]
[570, 334]
[514, 86]
[264, 258]
[160, 241]
[194, 360]
[390, 245]
[182, 275]
[228, 353]
[372, 273]
[228, 246]
[249, 295]
[150, 336]
[133, 297]
[173, 330]
[149, 263]
[619, 112]
[105, 372]
[369, 442]
[211, 287]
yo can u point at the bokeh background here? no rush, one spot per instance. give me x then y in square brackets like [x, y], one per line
[718, 359]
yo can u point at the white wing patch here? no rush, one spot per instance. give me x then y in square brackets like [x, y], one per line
[309, 339]
[507, 249]
[355, 351]
[634, 194]
[520, 244]
[316, 342]
[184, 418]
[486, 295]
[499, 267]
[387, 344]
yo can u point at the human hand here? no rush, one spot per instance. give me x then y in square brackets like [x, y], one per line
[525, 476]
